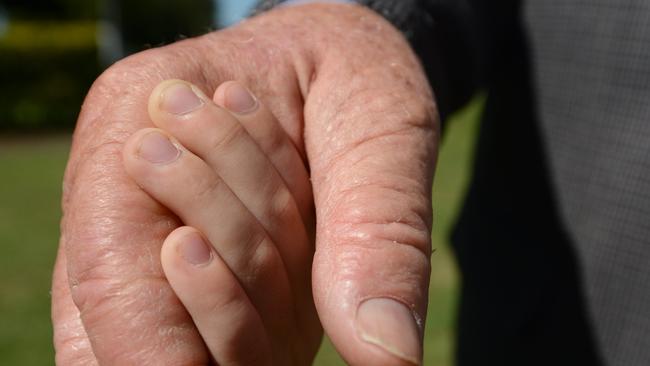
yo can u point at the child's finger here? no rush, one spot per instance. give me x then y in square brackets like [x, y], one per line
[191, 189]
[218, 138]
[229, 324]
[267, 132]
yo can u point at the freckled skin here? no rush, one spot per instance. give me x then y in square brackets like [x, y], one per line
[349, 92]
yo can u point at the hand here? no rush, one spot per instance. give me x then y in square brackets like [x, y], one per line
[352, 97]
[242, 265]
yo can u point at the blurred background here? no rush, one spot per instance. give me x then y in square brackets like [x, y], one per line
[50, 53]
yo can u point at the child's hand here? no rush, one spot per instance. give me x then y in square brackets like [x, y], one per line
[241, 266]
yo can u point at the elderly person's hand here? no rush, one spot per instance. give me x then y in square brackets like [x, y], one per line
[351, 95]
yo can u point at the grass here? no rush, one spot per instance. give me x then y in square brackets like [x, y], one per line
[30, 186]
[30, 189]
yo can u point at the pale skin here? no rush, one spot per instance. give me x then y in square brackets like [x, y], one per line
[249, 292]
[354, 103]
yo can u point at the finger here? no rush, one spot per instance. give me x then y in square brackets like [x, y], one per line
[371, 165]
[190, 188]
[229, 324]
[71, 342]
[265, 130]
[221, 141]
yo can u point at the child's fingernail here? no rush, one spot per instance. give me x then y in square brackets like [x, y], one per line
[179, 98]
[195, 250]
[239, 100]
[157, 148]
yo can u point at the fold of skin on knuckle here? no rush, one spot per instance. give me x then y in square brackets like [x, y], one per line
[223, 143]
[135, 304]
[381, 181]
[372, 215]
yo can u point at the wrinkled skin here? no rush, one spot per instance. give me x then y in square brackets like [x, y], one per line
[349, 92]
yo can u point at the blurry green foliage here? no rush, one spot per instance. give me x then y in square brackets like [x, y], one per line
[49, 52]
[46, 69]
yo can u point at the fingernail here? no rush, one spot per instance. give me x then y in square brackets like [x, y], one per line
[179, 98]
[156, 148]
[239, 100]
[195, 250]
[390, 325]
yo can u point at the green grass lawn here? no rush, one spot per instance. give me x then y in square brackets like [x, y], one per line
[30, 190]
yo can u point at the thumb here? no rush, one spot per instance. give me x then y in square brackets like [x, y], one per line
[371, 145]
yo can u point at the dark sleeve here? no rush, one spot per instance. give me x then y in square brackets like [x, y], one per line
[456, 40]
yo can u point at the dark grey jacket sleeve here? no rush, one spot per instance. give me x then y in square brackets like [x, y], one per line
[460, 42]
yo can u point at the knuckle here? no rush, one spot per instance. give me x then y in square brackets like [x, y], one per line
[384, 202]
[125, 85]
[275, 142]
[98, 297]
[115, 308]
[227, 138]
[124, 77]
[95, 294]
[262, 259]
[112, 108]
[385, 234]
[382, 215]
[227, 298]
[206, 187]
[282, 207]
[141, 66]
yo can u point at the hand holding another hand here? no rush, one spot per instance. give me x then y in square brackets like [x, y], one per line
[356, 106]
